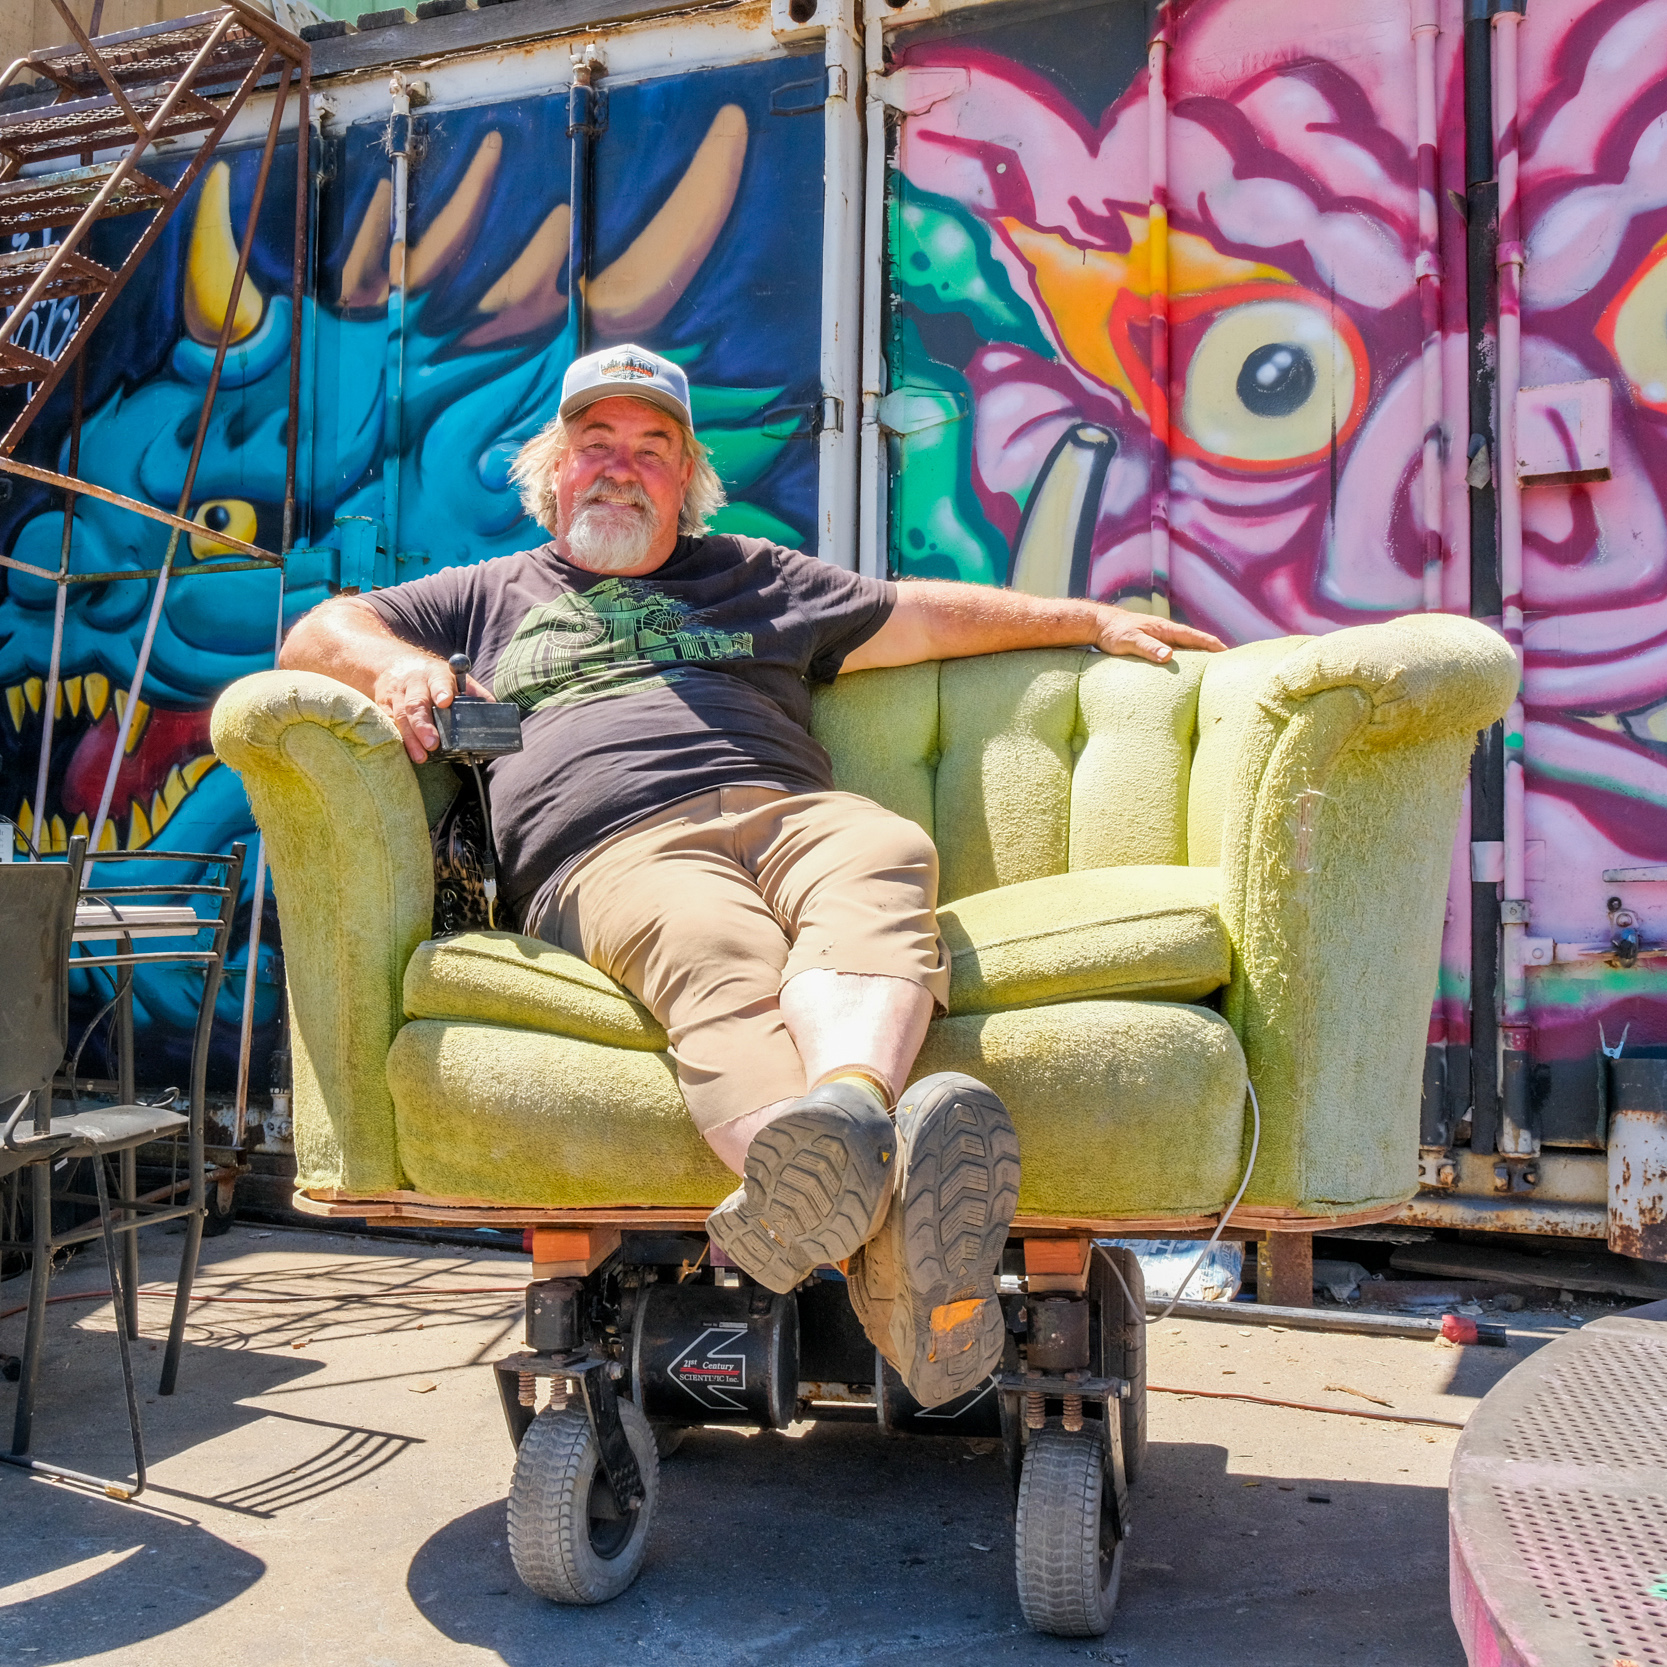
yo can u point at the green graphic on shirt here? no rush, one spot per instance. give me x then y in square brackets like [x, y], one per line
[619, 637]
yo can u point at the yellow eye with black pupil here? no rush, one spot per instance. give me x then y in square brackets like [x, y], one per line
[1276, 380]
[1268, 382]
[1635, 329]
[230, 517]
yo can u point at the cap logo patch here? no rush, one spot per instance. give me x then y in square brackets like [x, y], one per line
[624, 368]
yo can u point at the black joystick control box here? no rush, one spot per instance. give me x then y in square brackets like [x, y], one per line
[472, 729]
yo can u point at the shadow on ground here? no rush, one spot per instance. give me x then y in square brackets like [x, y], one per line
[103, 1592]
[792, 1552]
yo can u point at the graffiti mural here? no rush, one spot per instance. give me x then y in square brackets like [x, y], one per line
[1286, 453]
[1022, 396]
[694, 177]
[1594, 179]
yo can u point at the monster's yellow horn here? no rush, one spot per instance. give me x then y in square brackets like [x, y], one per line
[648, 280]
[211, 263]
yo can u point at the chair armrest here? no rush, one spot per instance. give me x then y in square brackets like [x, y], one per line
[1335, 856]
[337, 803]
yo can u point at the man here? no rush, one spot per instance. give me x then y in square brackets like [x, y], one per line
[671, 819]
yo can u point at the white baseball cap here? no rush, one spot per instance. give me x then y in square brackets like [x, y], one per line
[631, 371]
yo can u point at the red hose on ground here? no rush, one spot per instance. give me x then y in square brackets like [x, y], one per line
[201, 1296]
[516, 1290]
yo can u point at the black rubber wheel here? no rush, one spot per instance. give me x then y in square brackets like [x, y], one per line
[668, 1437]
[1121, 1338]
[215, 1219]
[567, 1537]
[1066, 1553]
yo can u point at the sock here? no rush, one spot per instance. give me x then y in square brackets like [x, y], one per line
[863, 1077]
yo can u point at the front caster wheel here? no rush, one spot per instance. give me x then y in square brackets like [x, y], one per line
[1068, 1556]
[567, 1537]
[668, 1437]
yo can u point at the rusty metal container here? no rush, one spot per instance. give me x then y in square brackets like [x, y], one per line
[1638, 1155]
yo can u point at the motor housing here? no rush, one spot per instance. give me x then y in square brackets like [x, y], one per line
[553, 1320]
[977, 1412]
[701, 1354]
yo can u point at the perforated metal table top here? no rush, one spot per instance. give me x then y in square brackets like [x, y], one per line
[1558, 1506]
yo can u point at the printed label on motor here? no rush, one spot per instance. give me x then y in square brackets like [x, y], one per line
[715, 1360]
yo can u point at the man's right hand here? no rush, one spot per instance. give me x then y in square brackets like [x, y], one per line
[409, 689]
[346, 639]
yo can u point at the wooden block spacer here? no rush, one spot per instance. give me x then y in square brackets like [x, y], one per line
[1057, 1264]
[571, 1252]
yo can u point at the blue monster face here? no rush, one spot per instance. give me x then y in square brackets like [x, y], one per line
[694, 181]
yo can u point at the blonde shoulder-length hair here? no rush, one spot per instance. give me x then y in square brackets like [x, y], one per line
[535, 466]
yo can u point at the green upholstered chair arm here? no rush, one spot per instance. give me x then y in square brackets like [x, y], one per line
[1335, 854]
[346, 837]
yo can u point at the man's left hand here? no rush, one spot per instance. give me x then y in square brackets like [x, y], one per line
[938, 619]
[1148, 636]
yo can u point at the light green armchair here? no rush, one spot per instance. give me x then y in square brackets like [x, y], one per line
[1153, 879]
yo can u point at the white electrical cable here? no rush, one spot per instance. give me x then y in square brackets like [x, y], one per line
[1226, 1216]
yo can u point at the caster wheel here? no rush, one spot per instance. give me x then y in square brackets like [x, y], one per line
[1068, 1557]
[668, 1437]
[217, 1217]
[567, 1537]
[1118, 1348]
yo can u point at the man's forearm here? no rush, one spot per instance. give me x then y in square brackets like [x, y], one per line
[937, 619]
[346, 639]
[962, 619]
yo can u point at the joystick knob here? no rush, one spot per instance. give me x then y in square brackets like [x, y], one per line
[460, 666]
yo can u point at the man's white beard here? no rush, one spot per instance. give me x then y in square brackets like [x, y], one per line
[603, 538]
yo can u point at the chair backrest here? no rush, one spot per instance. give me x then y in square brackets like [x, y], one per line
[1023, 765]
[37, 917]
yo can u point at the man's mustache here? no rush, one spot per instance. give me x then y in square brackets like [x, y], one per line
[616, 495]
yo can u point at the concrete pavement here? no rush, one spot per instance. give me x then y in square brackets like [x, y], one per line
[328, 1487]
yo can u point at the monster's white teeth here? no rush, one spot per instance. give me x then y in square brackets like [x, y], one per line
[141, 717]
[22, 697]
[144, 821]
[93, 688]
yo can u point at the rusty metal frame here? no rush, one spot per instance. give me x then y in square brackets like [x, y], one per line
[210, 63]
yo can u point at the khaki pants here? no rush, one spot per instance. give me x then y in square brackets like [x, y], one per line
[705, 910]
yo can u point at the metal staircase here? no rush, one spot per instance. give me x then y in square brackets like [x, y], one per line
[124, 92]
[118, 95]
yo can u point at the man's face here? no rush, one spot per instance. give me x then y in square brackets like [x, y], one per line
[620, 486]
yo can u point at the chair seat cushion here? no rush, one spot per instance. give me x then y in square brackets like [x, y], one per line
[1124, 1109]
[1145, 931]
[1150, 931]
[500, 978]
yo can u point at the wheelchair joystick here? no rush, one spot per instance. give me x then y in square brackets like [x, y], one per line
[471, 729]
[473, 732]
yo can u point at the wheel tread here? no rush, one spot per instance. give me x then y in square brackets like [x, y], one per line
[549, 1507]
[1057, 1534]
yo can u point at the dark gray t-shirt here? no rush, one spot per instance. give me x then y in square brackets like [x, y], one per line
[637, 693]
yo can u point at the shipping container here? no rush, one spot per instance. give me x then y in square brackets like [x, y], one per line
[1277, 319]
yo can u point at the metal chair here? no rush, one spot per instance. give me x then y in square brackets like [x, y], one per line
[42, 911]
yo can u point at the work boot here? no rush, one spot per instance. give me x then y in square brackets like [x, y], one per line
[924, 1287]
[817, 1183]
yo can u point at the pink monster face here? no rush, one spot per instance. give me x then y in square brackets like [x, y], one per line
[1594, 163]
[1295, 399]
[1294, 389]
